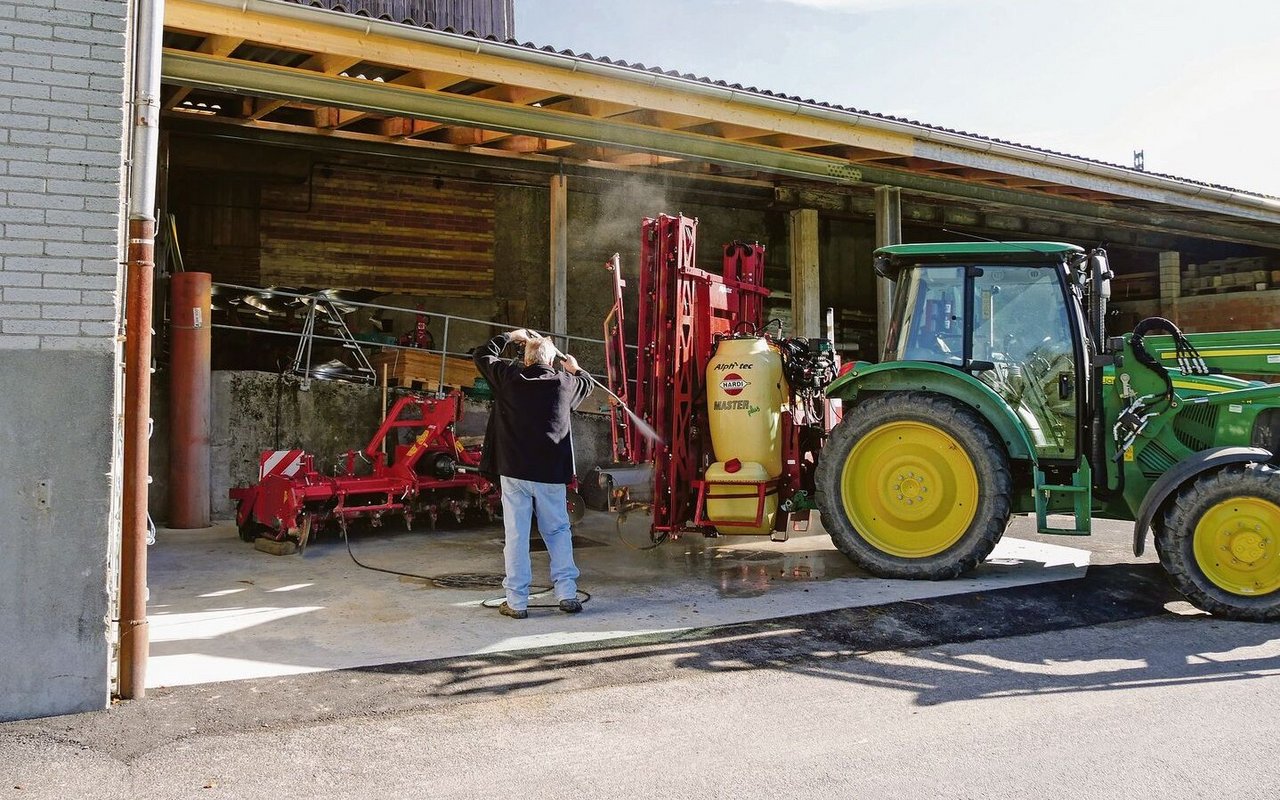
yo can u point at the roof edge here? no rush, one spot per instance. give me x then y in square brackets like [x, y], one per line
[1207, 198]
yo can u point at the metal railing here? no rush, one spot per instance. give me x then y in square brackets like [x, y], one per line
[443, 350]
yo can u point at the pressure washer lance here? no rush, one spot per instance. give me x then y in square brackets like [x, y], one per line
[646, 430]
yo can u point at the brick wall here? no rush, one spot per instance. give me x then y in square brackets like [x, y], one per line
[1234, 311]
[62, 86]
[62, 69]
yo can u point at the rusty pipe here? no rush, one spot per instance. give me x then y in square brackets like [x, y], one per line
[144, 112]
[189, 381]
[134, 635]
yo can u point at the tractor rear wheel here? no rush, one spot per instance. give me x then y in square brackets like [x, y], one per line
[1220, 542]
[914, 485]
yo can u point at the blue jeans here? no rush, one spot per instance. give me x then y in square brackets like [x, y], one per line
[519, 500]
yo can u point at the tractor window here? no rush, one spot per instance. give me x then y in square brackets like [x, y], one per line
[928, 321]
[1021, 326]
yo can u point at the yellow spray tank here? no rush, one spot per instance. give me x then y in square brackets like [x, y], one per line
[746, 393]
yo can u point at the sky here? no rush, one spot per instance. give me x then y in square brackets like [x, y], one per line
[1193, 84]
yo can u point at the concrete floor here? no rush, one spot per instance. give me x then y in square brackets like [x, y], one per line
[221, 610]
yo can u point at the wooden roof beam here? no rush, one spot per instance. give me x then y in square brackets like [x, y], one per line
[786, 141]
[1022, 183]
[640, 160]
[329, 118]
[214, 45]
[418, 79]
[866, 155]
[382, 46]
[727, 131]
[324, 63]
[659, 119]
[529, 144]
[417, 127]
[520, 95]
[470, 136]
[974, 174]
[591, 108]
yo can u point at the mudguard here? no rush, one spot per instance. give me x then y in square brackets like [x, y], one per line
[1183, 472]
[943, 380]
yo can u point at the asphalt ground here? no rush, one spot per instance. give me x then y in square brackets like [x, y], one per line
[218, 739]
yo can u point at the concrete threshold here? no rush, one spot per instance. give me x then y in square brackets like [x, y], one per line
[221, 610]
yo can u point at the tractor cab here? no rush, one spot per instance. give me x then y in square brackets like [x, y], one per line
[1006, 314]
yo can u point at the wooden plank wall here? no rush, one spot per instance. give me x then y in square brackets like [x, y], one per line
[394, 232]
[217, 217]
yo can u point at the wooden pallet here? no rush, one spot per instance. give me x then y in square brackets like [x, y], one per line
[421, 370]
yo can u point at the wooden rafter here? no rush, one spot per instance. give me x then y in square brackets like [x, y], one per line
[529, 144]
[592, 108]
[325, 63]
[641, 160]
[787, 141]
[215, 45]
[520, 95]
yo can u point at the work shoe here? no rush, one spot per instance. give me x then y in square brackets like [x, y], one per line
[571, 606]
[515, 613]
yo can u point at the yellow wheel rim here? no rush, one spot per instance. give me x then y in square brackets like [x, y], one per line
[1236, 545]
[909, 489]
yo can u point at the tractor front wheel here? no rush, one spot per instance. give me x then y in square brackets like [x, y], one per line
[914, 485]
[1220, 542]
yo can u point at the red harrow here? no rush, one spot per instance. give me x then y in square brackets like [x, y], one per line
[432, 475]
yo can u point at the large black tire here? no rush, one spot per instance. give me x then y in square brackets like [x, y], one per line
[1226, 522]
[950, 546]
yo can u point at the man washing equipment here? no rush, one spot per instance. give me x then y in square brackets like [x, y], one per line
[528, 445]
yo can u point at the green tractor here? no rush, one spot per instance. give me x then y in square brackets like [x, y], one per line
[1000, 393]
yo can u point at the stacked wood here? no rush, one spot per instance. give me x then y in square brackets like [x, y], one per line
[1230, 275]
[420, 369]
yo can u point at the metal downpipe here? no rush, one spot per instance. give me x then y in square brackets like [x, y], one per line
[139, 285]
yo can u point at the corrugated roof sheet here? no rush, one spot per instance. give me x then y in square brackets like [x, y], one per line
[640, 67]
[864, 112]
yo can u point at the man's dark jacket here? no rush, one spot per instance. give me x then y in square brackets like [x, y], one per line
[528, 432]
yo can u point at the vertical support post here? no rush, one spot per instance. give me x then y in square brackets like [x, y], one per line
[189, 382]
[1170, 282]
[888, 231]
[806, 309]
[559, 322]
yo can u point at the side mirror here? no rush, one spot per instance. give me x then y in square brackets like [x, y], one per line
[1100, 269]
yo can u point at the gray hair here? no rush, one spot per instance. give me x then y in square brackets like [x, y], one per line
[539, 351]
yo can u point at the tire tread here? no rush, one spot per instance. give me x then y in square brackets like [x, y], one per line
[1174, 536]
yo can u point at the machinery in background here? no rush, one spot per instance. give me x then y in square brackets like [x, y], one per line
[430, 474]
[739, 411]
[1001, 393]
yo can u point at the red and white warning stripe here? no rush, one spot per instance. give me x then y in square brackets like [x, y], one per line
[280, 462]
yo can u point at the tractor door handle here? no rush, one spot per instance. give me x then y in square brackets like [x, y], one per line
[1064, 387]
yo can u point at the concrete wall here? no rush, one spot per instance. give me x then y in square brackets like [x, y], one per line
[63, 67]
[328, 420]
